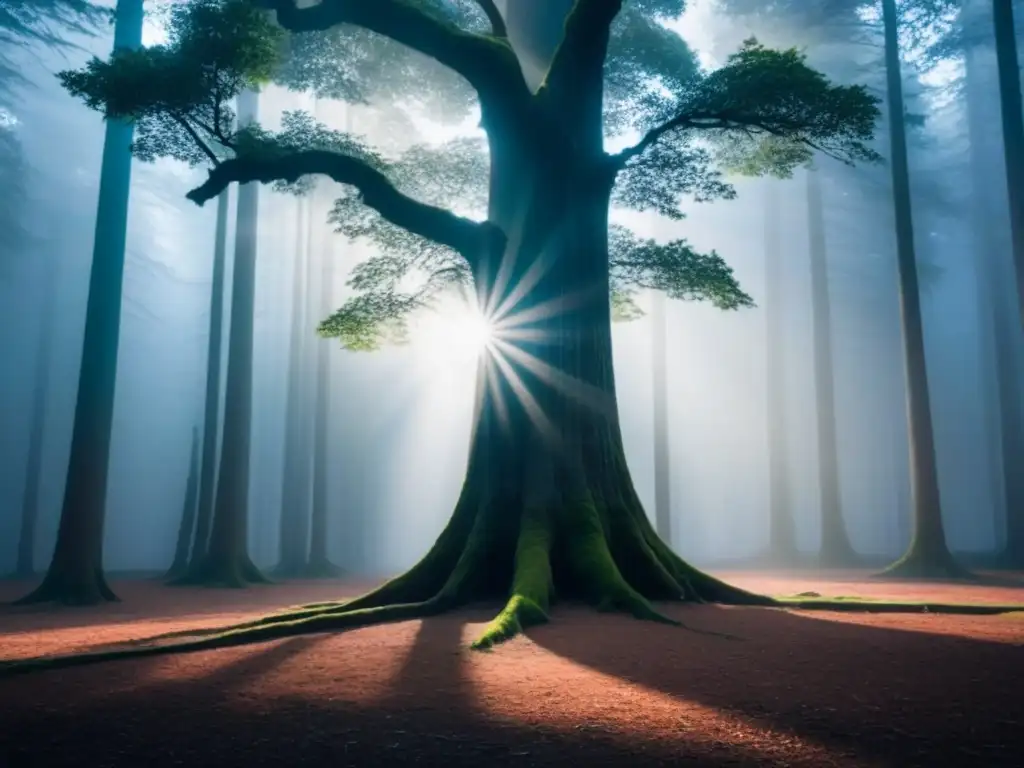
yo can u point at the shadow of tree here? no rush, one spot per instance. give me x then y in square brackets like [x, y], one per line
[902, 697]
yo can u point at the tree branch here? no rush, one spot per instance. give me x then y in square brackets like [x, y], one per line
[488, 65]
[498, 28]
[467, 237]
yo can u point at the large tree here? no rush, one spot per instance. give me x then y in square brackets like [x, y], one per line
[547, 503]
[76, 574]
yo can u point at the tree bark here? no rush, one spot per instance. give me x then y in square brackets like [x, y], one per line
[1013, 146]
[782, 536]
[659, 376]
[927, 555]
[25, 565]
[294, 530]
[75, 575]
[186, 528]
[227, 561]
[836, 549]
[211, 408]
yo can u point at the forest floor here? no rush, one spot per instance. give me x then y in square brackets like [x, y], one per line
[782, 688]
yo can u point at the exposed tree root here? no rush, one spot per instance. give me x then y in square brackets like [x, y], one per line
[920, 564]
[219, 573]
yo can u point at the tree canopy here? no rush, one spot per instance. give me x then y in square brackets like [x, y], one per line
[425, 206]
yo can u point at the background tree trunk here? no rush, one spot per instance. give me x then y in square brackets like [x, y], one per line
[320, 565]
[211, 407]
[227, 560]
[662, 462]
[186, 528]
[782, 537]
[76, 574]
[25, 566]
[294, 532]
[1008, 68]
[836, 549]
[928, 553]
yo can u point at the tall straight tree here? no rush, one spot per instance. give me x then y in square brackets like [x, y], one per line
[293, 536]
[211, 403]
[25, 566]
[781, 534]
[320, 565]
[227, 560]
[187, 523]
[75, 575]
[548, 502]
[927, 554]
[1012, 110]
[836, 549]
[659, 380]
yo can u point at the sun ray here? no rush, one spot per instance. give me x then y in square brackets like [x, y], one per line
[533, 409]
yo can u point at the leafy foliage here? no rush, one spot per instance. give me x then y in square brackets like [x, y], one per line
[764, 112]
[177, 93]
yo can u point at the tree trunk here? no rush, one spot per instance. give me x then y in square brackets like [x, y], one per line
[227, 560]
[836, 549]
[75, 575]
[186, 528]
[782, 537]
[211, 408]
[320, 565]
[659, 375]
[25, 566]
[927, 555]
[1000, 327]
[1013, 147]
[294, 530]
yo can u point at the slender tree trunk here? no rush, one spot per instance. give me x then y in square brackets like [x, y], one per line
[836, 549]
[294, 531]
[75, 575]
[659, 375]
[1013, 147]
[320, 565]
[782, 537]
[927, 554]
[227, 559]
[999, 320]
[211, 407]
[25, 567]
[186, 528]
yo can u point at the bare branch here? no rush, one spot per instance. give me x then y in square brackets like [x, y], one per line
[467, 237]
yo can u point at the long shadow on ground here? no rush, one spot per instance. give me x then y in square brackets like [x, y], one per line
[175, 711]
[891, 696]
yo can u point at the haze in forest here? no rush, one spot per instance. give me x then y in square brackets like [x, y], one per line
[400, 417]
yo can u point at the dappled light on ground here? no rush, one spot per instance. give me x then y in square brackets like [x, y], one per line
[737, 686]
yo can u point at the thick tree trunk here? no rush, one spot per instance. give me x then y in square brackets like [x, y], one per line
[227, 559]
[320, 565]
[75, 575]
[927, 555]
[294, 529]
[836, 549]
[211, 407]
[25, 565]
[659, 377]
[782, 536]
[1013, 147]
[1000, 327]
[186, 528]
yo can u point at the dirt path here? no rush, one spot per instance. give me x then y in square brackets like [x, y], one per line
[791, 689]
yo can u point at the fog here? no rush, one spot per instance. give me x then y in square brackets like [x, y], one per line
[400, 417]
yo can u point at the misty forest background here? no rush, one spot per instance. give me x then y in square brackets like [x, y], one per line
[398, 420]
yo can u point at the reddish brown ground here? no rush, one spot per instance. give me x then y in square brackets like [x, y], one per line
[780, 689]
